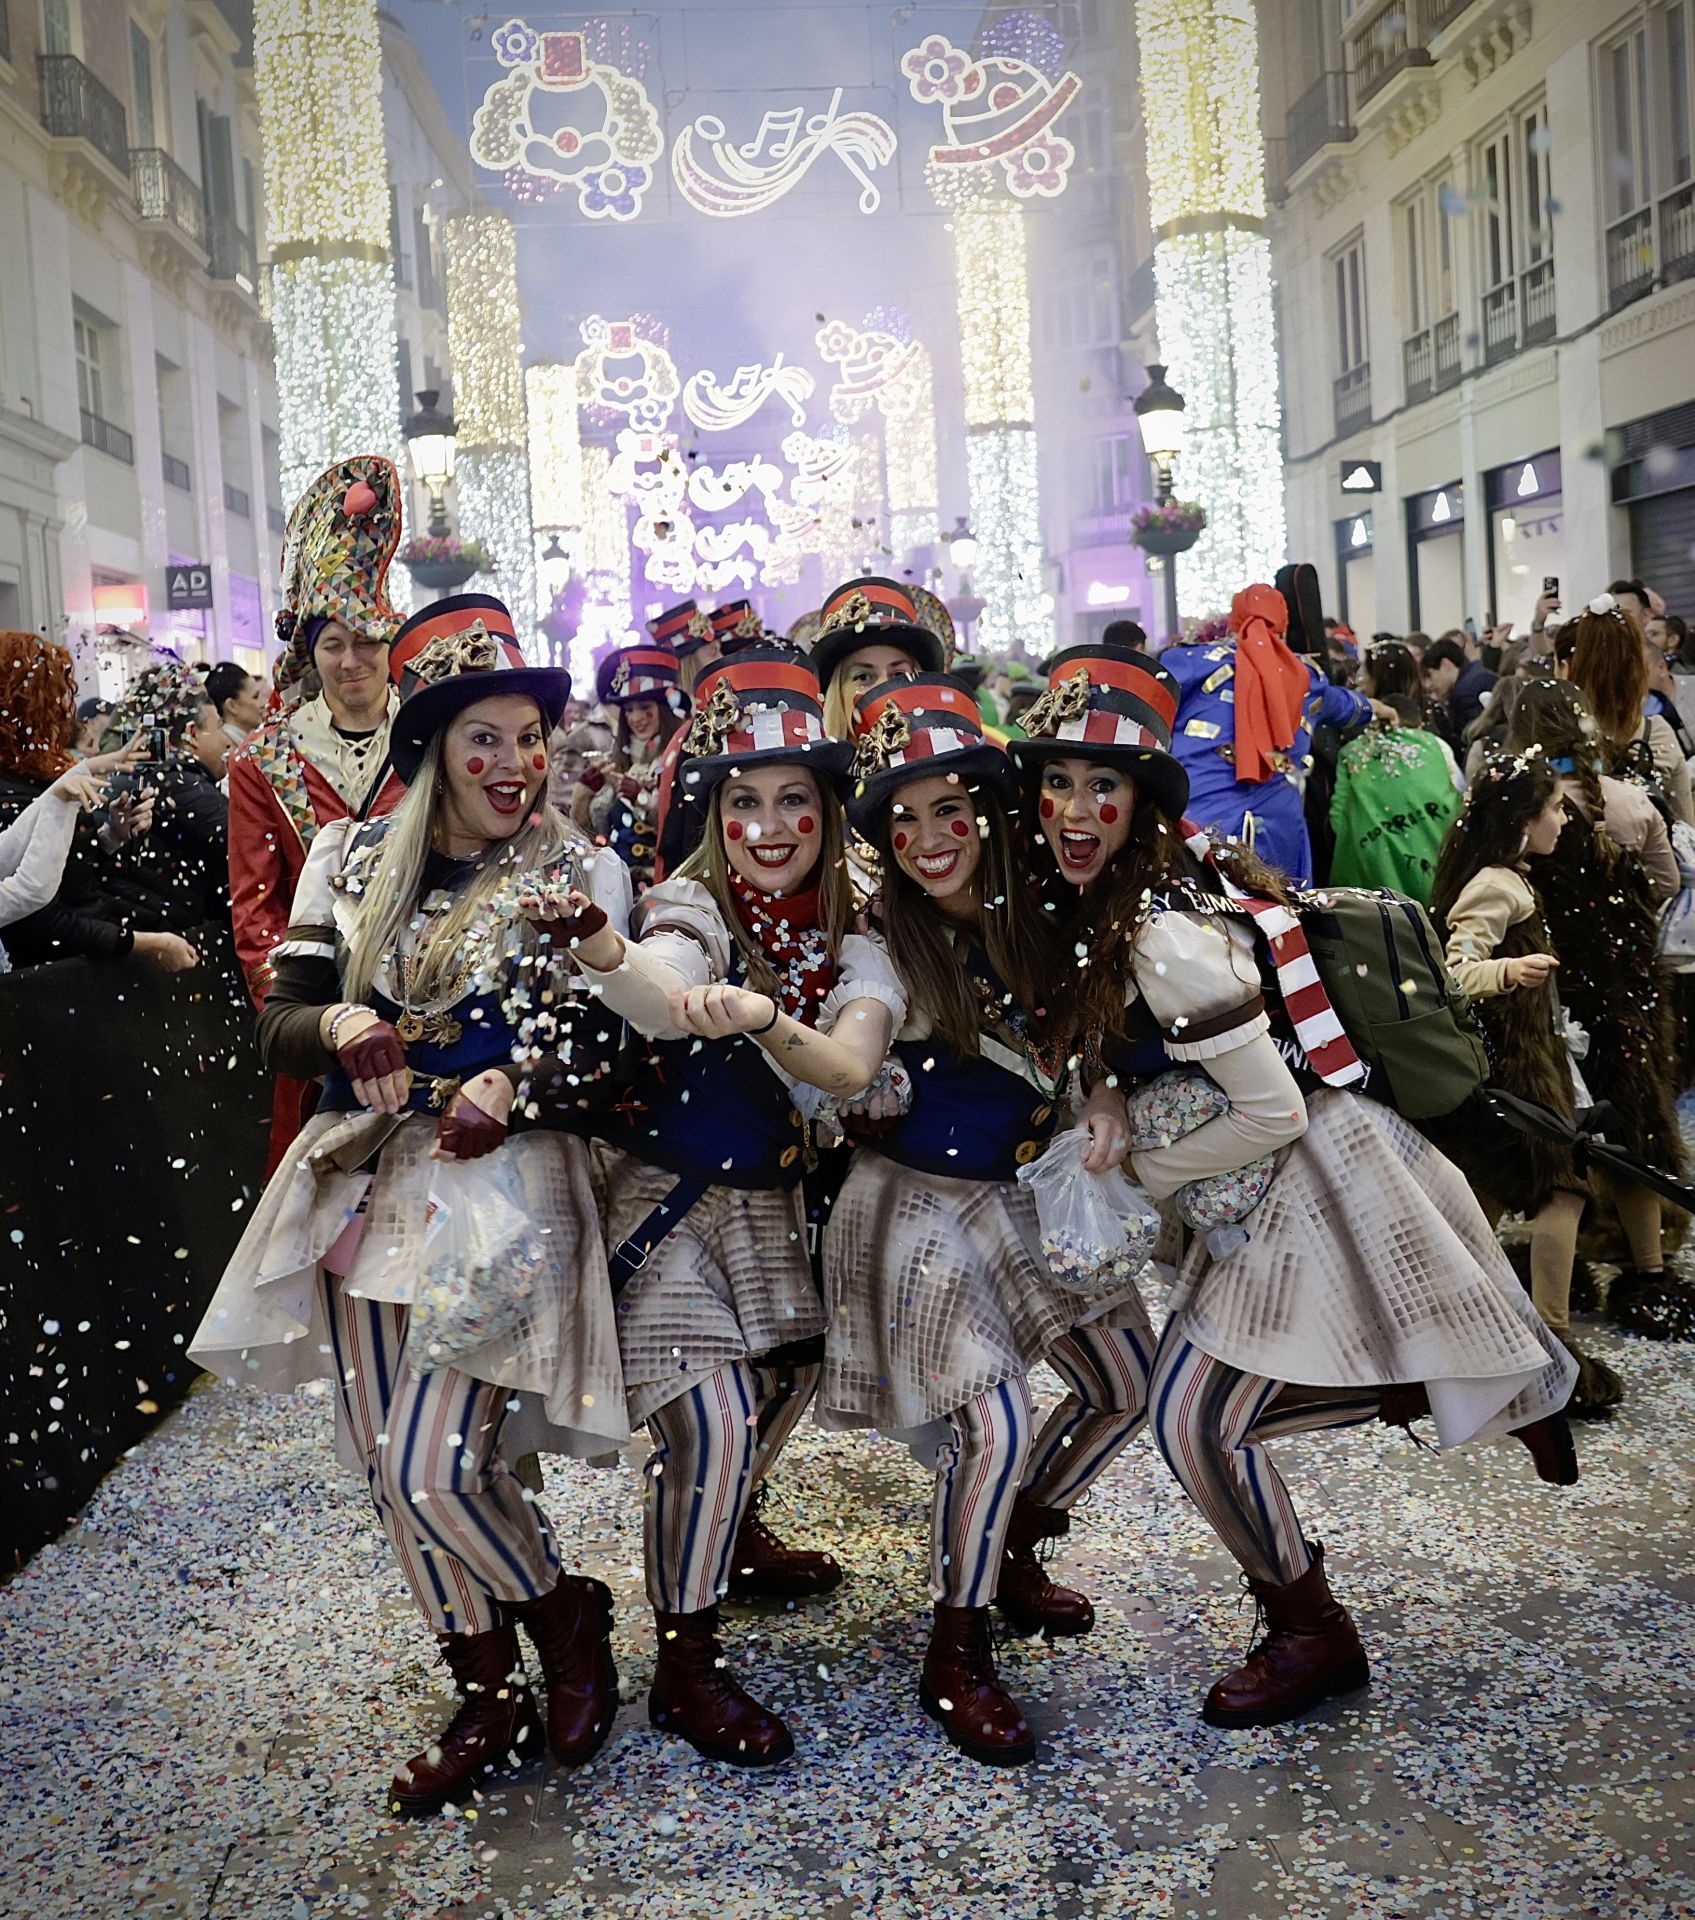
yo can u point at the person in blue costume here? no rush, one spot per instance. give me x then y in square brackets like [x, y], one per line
[1245, 718]
[760, 999]
[410, 979]
[940, 1299]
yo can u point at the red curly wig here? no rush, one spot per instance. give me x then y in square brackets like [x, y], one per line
[38, 694]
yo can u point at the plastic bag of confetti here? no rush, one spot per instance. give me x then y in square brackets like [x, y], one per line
[1098, 1229]
[1177, 1103]
[482, 1259]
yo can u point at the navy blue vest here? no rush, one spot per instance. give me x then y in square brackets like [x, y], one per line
[970, 1119]
[485, 1040]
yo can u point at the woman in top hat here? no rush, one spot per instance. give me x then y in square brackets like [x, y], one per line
[411, 977]
[759, 994]
[869, 632]
[940, 1299]
[700, 639]
[1370, 1281]
[691, 632]
[617, 798]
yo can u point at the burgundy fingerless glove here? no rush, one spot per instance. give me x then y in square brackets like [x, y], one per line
[574, 927]
[466, 1132]
[376, 1050]
[629, 789]
[591, 778]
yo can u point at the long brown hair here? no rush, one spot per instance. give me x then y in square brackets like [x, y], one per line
[38, 693]
[624, 741]
[1019, 940]
[1555, 716]
[1500, 805]
[1105, 921]
[710, 865]
[1607, 662]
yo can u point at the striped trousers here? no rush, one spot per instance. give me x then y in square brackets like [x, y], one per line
[466, 1534]
[1211, 1423]
[978, 1472]
[712, 1448]
[1105, 1370]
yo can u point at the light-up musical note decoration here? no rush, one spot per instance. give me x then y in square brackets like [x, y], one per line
[611, 166]
[720, 408]
[997, 112]
[622, 371]
[712, 491]
[754, 176]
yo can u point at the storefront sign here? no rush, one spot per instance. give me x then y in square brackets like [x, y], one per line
[188, 586]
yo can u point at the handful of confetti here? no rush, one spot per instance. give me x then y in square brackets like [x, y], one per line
[1098, 1229]
[1176, 1104]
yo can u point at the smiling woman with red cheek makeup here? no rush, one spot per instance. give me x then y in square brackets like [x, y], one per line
[940, 1301]
[759, 996]
[869, 632]
[1370, 1281]
[406, 982]
[617, 796]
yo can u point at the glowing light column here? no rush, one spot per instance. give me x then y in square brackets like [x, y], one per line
[1212, 274]
[485, 337]
[317, 69]
[1000, 445]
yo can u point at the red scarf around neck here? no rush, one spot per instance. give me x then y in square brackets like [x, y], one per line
[787, 930]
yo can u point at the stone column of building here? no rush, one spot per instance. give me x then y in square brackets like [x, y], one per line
[1212, 270]
[485, 335]
[318, 73]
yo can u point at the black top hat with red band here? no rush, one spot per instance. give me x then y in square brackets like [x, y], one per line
[647, 671]
[685, 627]
[456, 652]
[1110, 705]
[872, 613]
[908, 730]
[736, 624]
[758, 706]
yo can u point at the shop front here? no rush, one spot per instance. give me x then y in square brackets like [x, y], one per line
[1526, 528]
[1436, 582]
[1356, 585]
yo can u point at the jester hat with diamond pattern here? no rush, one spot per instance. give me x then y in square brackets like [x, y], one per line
[340, 540]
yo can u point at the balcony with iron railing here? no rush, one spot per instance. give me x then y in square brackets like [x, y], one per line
[105, 438]
[232, 254]
[237, 502]
[1386, 40]
[176, 473]
[1677, 233]
[75, 106]
[1443, 14]
[1500, 322]
[166, 196]
[1418, 365]
[1353, 399]
[1317, 120]
[1630, 257]
[1446, 340]
[1536, 303]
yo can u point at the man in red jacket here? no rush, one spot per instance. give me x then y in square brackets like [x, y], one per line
[322, 751]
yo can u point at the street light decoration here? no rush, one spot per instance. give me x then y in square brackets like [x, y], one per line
[431, 437]
[1159, 410]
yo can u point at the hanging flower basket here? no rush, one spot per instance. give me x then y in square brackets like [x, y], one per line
[1172, 527]
[441, 564]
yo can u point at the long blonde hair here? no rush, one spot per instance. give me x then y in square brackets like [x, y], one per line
[710, 865]
[392, 891]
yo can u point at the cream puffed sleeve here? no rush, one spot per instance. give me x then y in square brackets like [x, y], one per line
[682, 943]
[865, 973]
[1197, 975]
[1491, 901]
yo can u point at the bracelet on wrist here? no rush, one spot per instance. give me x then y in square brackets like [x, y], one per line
[754, 1033]
[337, 1019]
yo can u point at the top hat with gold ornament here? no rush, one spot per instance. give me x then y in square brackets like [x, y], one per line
[646, 671]
[339, 542]
[1113, 706]
[870, 612]
[456, 652]
[685, 628]
[907, 730]
[757, 706]
[736, 624]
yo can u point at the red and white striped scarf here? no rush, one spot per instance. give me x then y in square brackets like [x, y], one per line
[1329, 1051]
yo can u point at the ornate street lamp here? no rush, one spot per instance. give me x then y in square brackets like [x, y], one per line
[430, 436]
[1159, 410]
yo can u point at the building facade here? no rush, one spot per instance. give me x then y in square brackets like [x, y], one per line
[138, 399]
[1483, 217]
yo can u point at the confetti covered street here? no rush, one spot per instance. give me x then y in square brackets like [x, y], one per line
[208, 1680]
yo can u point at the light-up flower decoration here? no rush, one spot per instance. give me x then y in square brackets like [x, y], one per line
[938, 70]
[615, 192]
[1041, 167]
[514, 44]
[837, 341]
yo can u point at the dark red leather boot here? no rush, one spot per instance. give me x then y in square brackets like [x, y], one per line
[1311, 1652]
[1029, 1601]
[693, 1694]
[762, 1567]
[571, 1628]
[961, 1691]
[495, 1728]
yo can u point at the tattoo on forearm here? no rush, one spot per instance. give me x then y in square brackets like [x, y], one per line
[794, 1041]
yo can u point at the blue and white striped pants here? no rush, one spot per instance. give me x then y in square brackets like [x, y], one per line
[978, 1472]
[1211, 1422]
[1106, 1372]
[712, 1448]
[465, 1533]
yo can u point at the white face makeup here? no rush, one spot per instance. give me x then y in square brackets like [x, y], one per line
[935, 840]
[772, 819]
[494, 766]
[1086, 809]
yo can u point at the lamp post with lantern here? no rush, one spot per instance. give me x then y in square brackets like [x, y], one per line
[1159, 409]
[966, 606]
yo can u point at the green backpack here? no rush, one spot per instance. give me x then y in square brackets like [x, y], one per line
[1382, 967]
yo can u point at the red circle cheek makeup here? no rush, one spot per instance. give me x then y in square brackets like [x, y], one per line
[540, 763]
[960, 828]
[1047, 808]
[733, 830]
[900, 843]
[1108, 813]
[806, 824]
[473, 765]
